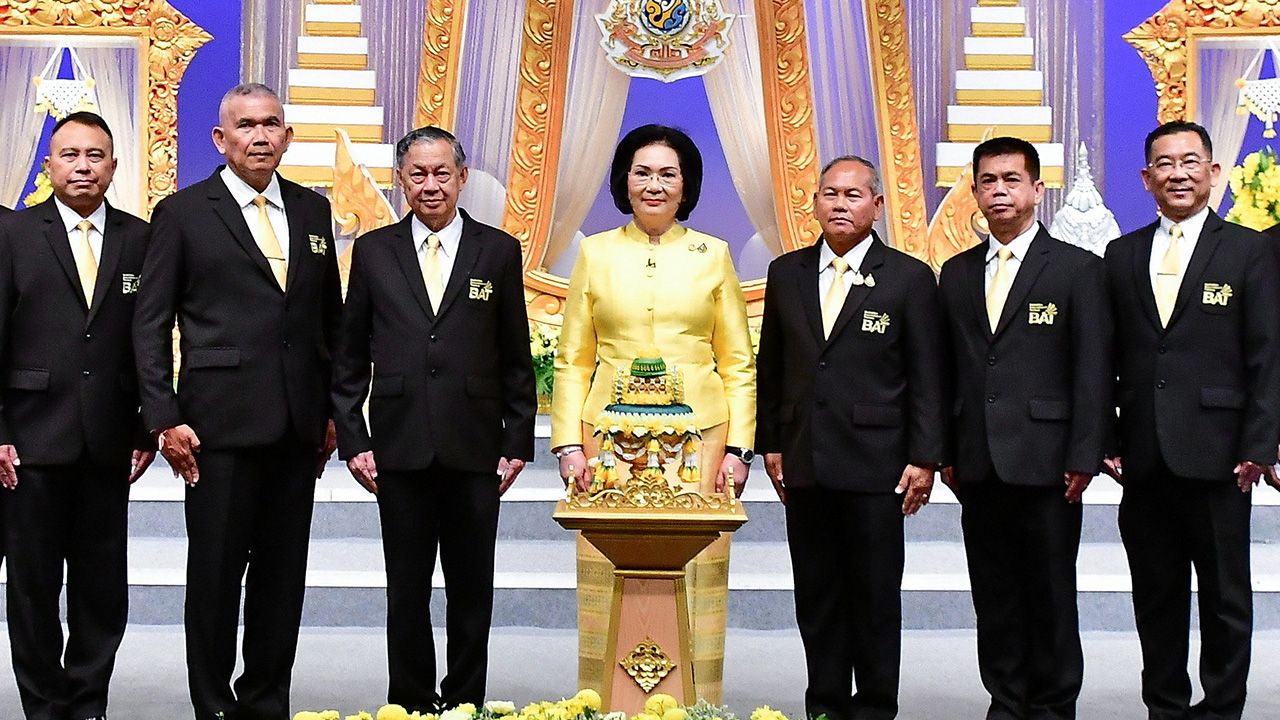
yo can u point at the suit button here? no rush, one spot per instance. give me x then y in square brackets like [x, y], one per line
[822, 365]
[434, 372]
[1160, 385]
[85, 373]
[991, 398]
[1162, 350]
[88, 336]
[433, 338]
[991, 360]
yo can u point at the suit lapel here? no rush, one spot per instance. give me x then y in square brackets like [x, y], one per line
[468, 254]
[231, 215]
[976, 281]
[56, 235]
[407, 256]
[112, 248]
[858, 293]
[1142, 274]
[1205, 247]
[299, 246]
[1036, 259]
[807, 285]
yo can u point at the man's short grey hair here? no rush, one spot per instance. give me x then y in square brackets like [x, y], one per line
[876, 187]
[243, 90]
[429, 134]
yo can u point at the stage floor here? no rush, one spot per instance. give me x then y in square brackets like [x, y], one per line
[346, 670]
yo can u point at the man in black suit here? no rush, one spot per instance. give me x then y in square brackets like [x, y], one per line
[70, 434]
[1029, 333]
[850, 417]
[436, 304]
[1197, 308]
[245, 261]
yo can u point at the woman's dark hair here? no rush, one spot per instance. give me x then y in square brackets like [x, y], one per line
[643, 136]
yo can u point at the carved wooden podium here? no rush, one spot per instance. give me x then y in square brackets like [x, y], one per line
[649, 529]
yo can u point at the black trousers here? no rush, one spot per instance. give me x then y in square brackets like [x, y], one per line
[1021, 545]
[847, 556]
[421, 510]
[78, 515]
[1169, 525]
[249, 517]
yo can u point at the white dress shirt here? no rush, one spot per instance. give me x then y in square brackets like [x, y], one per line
[71, 218]
[244, 195]
[827, 274]
[450, 235]
[1191, 229]
[1018, 246]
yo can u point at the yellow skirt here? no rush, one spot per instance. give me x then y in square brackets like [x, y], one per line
[706, 577]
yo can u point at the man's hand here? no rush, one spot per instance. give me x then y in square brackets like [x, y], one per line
[141, 461]
[9, 463]
[917, 483]
[364, 470]
[773, 468]
[326, 450]
[179, 446]
[1113, 467]
[1076, 483]
[507, 472]
[949, 479]
[573, 468]
[732, 464]
[1247, 474]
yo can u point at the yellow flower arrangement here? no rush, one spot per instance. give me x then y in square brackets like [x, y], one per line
[585, 705]
[1255, 190]
[543, 341]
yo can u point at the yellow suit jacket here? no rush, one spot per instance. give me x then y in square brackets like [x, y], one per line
[681, 298]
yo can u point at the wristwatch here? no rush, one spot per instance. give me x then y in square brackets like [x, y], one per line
[566, 450]
[746, 455]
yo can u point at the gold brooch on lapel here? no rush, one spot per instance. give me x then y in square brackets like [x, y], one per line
[1216, 294]
[701, 247]
[1041, 313]
[129, 283]
[318, 244]
[875, 321]
[480, 289]
[859, 279]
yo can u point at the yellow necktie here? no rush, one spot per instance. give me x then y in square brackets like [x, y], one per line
[431, 271]
[1169, 276]
[998, 293]
[269, 244]
[834, 300]
[86, 265]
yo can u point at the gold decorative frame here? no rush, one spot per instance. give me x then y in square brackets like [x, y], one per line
[168, 40]
[1166, 41]
[438, 76]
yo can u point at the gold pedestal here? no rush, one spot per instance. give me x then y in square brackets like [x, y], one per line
[649, 532]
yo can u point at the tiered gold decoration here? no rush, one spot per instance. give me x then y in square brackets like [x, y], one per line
[331, 89]
[998, 91]
[169, 40]
[649, 527]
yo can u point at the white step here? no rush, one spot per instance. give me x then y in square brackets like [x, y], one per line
[961, 154]
[315, 154]
[999, 46]
[1003, 15]
[999, 80]
[333, 45]
[999, 115]
[334, 115]
[332, 13]
[346, 79]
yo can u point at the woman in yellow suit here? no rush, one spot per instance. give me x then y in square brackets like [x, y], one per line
[649, 285]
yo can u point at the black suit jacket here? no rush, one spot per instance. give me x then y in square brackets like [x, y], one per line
[851, 412]
[255, 359]
[1033, 399]
[69, 383]
[1203, 393]
[454, 386]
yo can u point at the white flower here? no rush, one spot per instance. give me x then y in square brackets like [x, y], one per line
[500, 707]
[455, 714]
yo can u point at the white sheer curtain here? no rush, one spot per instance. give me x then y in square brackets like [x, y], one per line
[487, 102]
[1216, 96]
[592, 118]
[736, 97]
[115, 74]
[20, 124]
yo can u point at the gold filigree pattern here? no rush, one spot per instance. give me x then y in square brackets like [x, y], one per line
[535, 146]
[358, 205]
[647, 664]
[170, 40]
[954, 226]
[784, 65]
[899, 137]
[1163, 42]
[649, 489]
[438, 76]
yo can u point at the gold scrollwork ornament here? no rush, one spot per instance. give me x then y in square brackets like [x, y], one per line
[647, 664]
